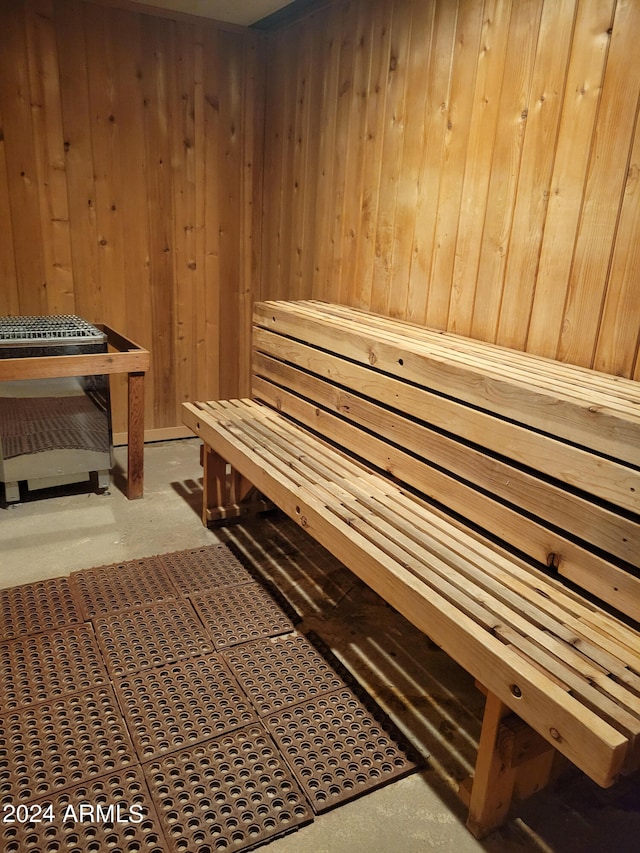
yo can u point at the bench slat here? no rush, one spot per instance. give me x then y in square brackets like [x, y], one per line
[606, 580]
[461, 582]
[578, 732]
[610, 480]
[575, 384]
[313, 462]
[579, 420]
[620, 536]
[549, 373]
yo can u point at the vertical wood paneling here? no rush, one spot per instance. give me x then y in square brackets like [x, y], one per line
[433, 77]
[618, 336]
[356, 284]
[130, 165]
[451, 163]
[612, 141]
[157, 60]
[420, 56]
[577, 122]
[81, 187]
[230, 200]
[343, 143]
[20, 158]
[394, 92]
[506, 162]
[478, 166]
[466, 164]
[328, 47]
[536, 167]
[9, 299]
[252, 184]
[46, 115]
[493, 164]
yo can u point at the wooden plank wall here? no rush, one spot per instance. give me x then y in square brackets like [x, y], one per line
[130, 159]
[472, 165]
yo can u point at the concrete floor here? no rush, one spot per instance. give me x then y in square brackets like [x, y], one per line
[429, 697]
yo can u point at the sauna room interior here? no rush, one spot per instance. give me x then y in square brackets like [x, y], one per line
[466, 166]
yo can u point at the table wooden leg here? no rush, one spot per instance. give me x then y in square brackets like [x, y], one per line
[135, 453]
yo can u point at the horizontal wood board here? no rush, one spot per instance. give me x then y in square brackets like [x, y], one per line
[346, 386]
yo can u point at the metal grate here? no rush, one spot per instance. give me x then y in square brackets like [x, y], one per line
[56, 329]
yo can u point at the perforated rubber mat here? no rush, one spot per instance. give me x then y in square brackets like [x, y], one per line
[55, 745]
[178, 706]
[112, 813]
[119, 586]
[140, 639]
[204, 569]
[338, 749]
[240, 614]
[47, 666]
[162, 740]
[282, 672]
[37, 607]
[231, 793]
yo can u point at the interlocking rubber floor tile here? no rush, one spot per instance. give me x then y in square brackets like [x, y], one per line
[140, 639]
[59, 744]
[112, 813]
[281, 672]
[338, 749]
[204, 569]
[36, 607]
[180, 705]
[119, 586]
[41, 667]
[241, 614]
[231, 793]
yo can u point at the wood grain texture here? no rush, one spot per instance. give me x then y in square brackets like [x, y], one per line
[464, 164]
[130, 180]
[474, 169]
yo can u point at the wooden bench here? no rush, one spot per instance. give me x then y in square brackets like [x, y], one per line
[462, 482]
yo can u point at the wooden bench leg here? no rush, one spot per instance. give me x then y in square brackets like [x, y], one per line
[226, 493]
[513, 759]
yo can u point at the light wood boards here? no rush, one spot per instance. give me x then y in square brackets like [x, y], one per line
[475, 170]
[130, 176]
[492, 620]
[436, 467]
[521, 446]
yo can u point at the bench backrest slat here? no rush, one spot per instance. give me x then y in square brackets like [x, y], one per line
[531, 451]
[575, 411]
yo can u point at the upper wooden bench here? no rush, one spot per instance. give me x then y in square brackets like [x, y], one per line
[462, 481]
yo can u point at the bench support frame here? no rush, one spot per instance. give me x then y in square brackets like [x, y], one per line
[513, 761]
[226, 493]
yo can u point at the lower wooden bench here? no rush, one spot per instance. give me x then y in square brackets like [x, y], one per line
[332, 440]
